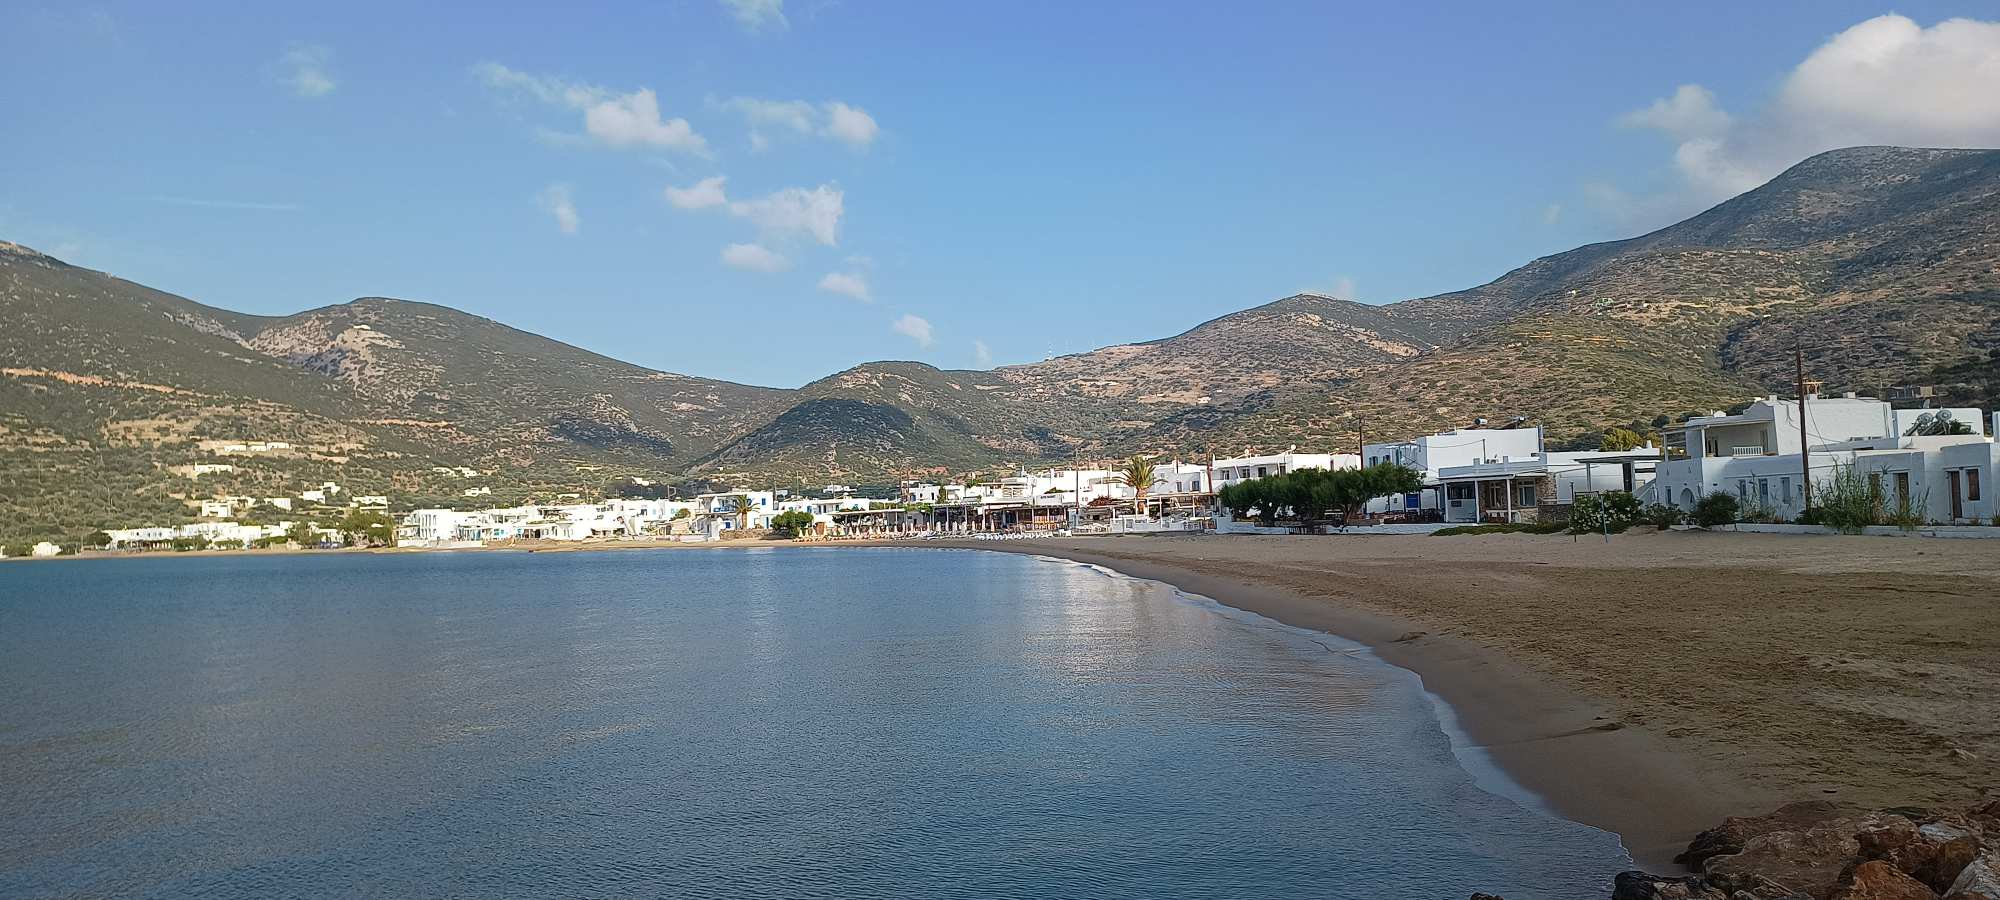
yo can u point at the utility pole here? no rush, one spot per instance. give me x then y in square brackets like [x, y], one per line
[1360, 443]
[1805, 443]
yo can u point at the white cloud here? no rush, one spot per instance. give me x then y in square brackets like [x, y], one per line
[913, 327]
[832, 120]
[557, 201]
[814, 212]
[1887, 80]
[306, 72]
[701, 195]
[613, 119]
[981, 354]
[756, 15]
[633, 120]
[846, 283]
[1690, 113]
[1552, 213]
[850, 124]
[794, 115]
[1342, 289]
[753, 258]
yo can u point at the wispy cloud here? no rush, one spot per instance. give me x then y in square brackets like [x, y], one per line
[754, 258]
[915, 328]
[557, 201]
[795, 210]
[307, 70]
[832, 120]
[701, 195]
[226, 204]
[982, 356]
[630, 120]
[757, 15]
[847, 284]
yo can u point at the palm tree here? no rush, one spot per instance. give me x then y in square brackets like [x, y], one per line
[1136, 472]
[742, 504]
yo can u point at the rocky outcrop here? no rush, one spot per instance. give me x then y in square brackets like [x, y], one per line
[1980, 879]
[1830, 851]
[1879, 880]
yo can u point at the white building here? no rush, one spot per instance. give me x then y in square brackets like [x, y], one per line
[1431, 454]
[1756, 456]
[1238, 469]
[1518, 489]
[216, 509]
[44, 548]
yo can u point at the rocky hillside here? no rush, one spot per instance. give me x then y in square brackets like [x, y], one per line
[1883, 262]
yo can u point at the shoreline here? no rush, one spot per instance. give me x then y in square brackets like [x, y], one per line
[1553, 742]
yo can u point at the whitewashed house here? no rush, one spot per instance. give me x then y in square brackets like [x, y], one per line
[1238, 469]
[1534, 487]
[44, 548]
[1431, 454]
[1756, 455]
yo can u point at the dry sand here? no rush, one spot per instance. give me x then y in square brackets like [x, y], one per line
[1655, 683]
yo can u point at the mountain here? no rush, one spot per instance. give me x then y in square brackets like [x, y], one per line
[1882, 263]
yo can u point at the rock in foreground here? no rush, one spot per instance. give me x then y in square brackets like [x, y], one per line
[1819, 850]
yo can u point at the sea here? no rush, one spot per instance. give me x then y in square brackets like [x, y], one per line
[691, 723]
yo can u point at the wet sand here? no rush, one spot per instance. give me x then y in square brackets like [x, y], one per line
[1656, 683]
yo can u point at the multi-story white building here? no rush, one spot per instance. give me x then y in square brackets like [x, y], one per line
[1760, 456]
[1238, 469]
[1431, 454]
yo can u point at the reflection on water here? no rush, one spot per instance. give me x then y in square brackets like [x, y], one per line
[886, 723]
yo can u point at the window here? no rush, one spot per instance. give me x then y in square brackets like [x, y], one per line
[1458, 490]
[1785, 488]
[1526, 496]
[1972, 484]
[1260, 471]
[1742, 489]
[1763, 491]
[1902, 486]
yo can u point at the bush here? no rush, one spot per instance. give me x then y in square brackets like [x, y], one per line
[1848, 501]
[1611, 512]
[1661, 516]
[1908, 513]
[1715, 509]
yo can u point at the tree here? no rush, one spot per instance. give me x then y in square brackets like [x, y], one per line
[1137, 473]
[1622, 439]
[1351, 489]
[792, 522]
[741, 504]
[368, 528]
[97, 539]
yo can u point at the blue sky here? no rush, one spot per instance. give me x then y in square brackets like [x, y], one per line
[984, 184]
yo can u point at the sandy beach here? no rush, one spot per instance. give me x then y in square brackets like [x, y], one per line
[1656, 683]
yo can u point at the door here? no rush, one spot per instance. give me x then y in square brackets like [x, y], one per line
[1957, 502]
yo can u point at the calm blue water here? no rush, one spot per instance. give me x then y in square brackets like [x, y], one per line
[789, 723]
